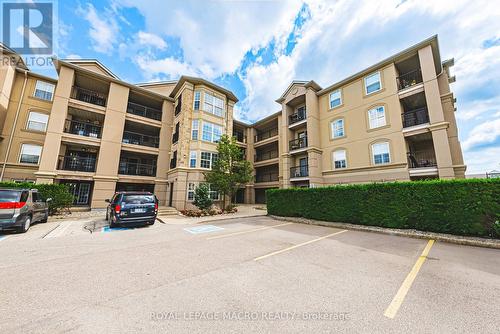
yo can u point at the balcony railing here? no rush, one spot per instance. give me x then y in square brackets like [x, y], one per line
[240, 137]
[409, 79]
[76, 163]
[82, 128]
[297, 143]
[266, 156]
[140, 110]
[299, 171]
[175, 137]
[132, 168]
[267, 177]
[421, 159]
[297, 117]
[89, 96]
[415, 117]
[266, 134]
[135, 138]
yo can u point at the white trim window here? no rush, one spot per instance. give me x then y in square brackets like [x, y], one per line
[197, 100]
[214, 195]
[381, 153]
[213, 104]
[373, 83]
[207, 159]
[376, 117]
[335, 98]
[339, 159]
[337, 127]
[37, 121]
[190, 191]
[44, 90]
[193, 156]
[211, 132]
[194, 129]
[30, 154]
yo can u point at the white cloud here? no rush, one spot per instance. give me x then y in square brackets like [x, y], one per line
[171, 67]
[145, 38]
[103, 30]
[483, 134]
[479, 109]
[483, 161]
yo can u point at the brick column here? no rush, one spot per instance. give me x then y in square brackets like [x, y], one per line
[163, 161]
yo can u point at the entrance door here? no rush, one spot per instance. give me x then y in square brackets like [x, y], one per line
[80, 191]
[171, 197]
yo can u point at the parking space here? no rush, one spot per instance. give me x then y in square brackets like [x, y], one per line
[227, 275]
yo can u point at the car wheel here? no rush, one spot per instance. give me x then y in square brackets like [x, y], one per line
[26, 225]
[107, 215]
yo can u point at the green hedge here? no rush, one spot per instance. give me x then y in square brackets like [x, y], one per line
[462, 207]
[61, 197]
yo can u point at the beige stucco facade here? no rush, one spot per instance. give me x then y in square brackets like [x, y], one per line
[392, 121]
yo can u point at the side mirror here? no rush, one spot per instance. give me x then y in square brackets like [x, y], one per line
[107, 200]
[48, 199]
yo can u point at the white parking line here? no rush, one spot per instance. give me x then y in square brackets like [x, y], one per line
[59, 230]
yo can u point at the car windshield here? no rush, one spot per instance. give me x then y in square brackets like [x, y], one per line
[9, 196]
[138, 199]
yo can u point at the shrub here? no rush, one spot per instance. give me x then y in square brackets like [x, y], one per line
[202, 197]
[61, 197]
[462, 207]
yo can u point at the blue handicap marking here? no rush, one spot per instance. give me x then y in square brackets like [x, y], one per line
[203, 229]
[108, 229]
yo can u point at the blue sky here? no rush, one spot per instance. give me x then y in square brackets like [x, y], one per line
[255, 48]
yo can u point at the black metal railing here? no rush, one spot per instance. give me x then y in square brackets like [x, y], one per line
[266, 134]
[298, 143]
[89, 96]
[266, 177]
[82, 128]
[240, 137]
[144, 111]
[76, 163]
[299, 171]
[175, 137]
[409, 79]
[421, 159]
[415, 117]
[135, 138]
[178, 107]
[132, 168]
[297, 117]
[265, 156]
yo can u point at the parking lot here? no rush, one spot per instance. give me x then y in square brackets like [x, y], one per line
[247, 274]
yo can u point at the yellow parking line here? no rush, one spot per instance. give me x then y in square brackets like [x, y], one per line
[393, 308]
[296, 246]
[248, 231]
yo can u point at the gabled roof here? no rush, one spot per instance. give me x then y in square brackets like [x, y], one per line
[299, 83]
[4, 49]
[97, 63]
[200, 81]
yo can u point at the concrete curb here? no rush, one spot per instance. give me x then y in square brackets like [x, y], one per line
[229, 218]
[454, 239]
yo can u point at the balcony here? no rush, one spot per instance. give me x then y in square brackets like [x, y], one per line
[136, 138]
[133, 168]
[266, 134]
[415, 117]
[297, 144]
[88, 96]
[423, 159]
[144, 111]
[409, 79]
[300, 115]
[82, 128]
[77, 163]
[267, 177]
[265, 156]
[299, 171]
[175, 137]
[240, 136]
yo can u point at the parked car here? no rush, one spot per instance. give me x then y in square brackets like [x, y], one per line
[132, 208]
[20, 208]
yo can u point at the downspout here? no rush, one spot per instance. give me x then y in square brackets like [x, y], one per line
[11, 137]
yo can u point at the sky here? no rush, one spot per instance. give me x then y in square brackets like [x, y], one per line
[256, 48]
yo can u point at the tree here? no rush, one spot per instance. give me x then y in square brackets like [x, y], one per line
[202, 197]
[230, 170]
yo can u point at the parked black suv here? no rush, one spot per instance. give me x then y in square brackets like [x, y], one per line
[132, 208]
[19, 208]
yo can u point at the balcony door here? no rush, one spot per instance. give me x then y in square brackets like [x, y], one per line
[303, 166]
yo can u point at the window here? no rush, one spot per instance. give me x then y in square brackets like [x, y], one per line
[339, 159]
[44, 90]
[191, 188]
[37, 121]
[372, 83]
[211, 132]
[192, 159]
[335, 98]
[376, 117]
[214, 195]
[337, 128]
[207, 159]
[197, 99]
[380, 153]
[30, 154]
[194, 129]
[213, 104]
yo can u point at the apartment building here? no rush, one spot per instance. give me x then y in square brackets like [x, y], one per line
[392, 121]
